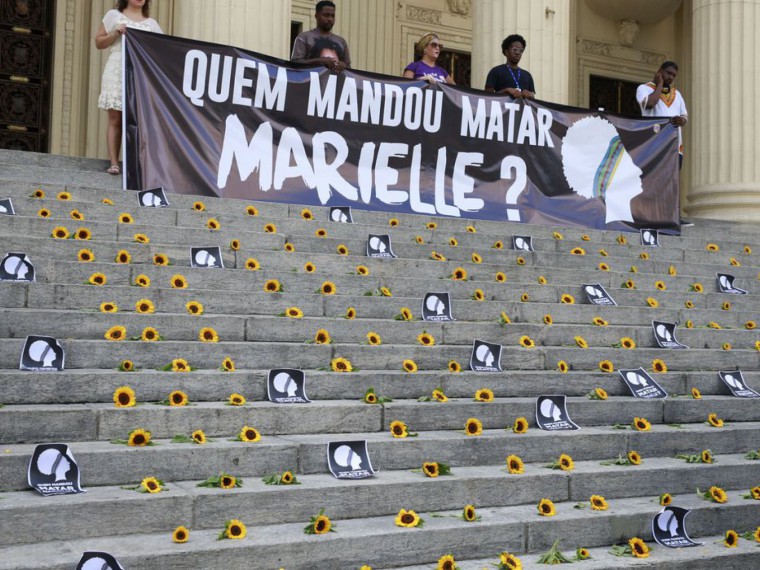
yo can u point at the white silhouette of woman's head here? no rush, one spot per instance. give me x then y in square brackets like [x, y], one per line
[53, 462]
[377, 244]
[434, 303]
[42, 353]
[345, 456]
[549, 409]
[16, 266]
[204, 257]
[484, 355]
[596, 165]
[283, 382]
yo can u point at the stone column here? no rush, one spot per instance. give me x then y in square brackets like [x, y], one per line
[546, 29]
[723, 113]
[368, 26]
[262, 26]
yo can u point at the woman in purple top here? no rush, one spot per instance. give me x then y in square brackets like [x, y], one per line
[428, 49]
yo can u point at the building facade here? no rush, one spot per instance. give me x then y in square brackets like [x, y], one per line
[586, 53]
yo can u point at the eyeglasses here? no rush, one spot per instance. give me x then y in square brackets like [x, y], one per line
[435, 45]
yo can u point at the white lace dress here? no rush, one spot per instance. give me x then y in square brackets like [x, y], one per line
[110, 87]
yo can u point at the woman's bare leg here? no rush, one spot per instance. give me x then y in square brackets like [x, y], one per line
[114, 136]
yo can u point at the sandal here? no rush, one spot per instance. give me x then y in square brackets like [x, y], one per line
[114, 169]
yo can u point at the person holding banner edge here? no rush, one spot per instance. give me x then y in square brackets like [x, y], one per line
[127, 14]
[320, 46]
[510, 78]
[428, 48]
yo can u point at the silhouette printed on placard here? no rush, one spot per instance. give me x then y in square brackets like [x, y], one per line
[669, 528]
[6, 207]
[641, 384]
[98, 561]
[53, 470]
[734, 381]
[726, 284]
[379, 246]
[650, 238]
[665, 335]
[485, 357]
[349, 460]
[341, 214]
[206, 257]
[598, 295]
[552, 415]
[17, 267]
[42, 354]
[522, 243]
[287, 386]
[436, 307]
[153, 198]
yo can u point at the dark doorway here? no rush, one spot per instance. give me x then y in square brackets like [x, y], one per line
[25, 73]
[614, 95]
[458, 64]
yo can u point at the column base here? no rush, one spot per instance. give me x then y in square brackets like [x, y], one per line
[732, 202]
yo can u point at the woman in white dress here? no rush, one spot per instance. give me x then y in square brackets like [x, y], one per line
[128, 14]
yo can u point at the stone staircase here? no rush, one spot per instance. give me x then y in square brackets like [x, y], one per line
[76, 406]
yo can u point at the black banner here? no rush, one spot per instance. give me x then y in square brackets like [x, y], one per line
[215, 120]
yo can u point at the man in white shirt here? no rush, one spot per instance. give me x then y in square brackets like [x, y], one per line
[659, 98]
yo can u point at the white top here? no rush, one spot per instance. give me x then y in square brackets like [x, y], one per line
[673, 106]
[113, 18]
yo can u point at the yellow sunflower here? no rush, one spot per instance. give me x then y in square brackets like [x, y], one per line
[393, 222]
[236, 400]
[142, 280]
[399, 429]
[385, 292]
[652, 302]
[476, 258]
[108, 307]
[419, 239]
[484, 395]
[712, 247]
[469, 515]
[431, 225]
[141, 238]
[270, 229]
[639, 549]
[520, 260]
[151, 485]
[116, 332]
[731, 539]
[714, 420]
[439, 396]
[641, 424]
[688, 304]
[180, 365]
[44, 213]
[328, 288]
[567, 299]
[598, 503]
[599, 321]
[124, 397]
[629, 284]
[659, 366]
[374, 339]
[524, 297]
[546, 508]
[706, 456]
[672, 271]
[578, 251]
[228, 365]
[520, 426]
[453, 242]
[149, 334]
[235, 245]
[459, 274]
[697, 288]
[407, 519]
[585, 237]
[227, 481]
[272, 286]
[252, 264]
[437, 256]
[125, 218]
[445, 562]
[342, 250]
[471, 229]
[234, 530]
[39, 193]
[321, 525]
[473, 426]
[306, 214]
[548, 320]
[603, 267]
[409, 366]
[581, 342]
[565, 462]
[644, 255]
[178, 398]
[498, 245]
[426, 339]
[199, 206]
[194, 308]
[321, 233]
[59, 232]
[145, 306]
[600, 393]
[249, 435]
[542, 280]
[123, 256]
[628, 343]
[160, 259]
[350, 313]
[717, 494]
[603, 253]
[606, 366]
[341, 365]
[207, 334]
[621, 239]
[515, 465]
[562, 366]
[362, 270]
[213, 224]
[322, 336]
[696, 394]
[431, 469]
[138, 438]
[107, 201]
[527, 342]
[180, 535]
[454, 367]
[289, 247]
[557, 235]
[406, 313]
[634, 458]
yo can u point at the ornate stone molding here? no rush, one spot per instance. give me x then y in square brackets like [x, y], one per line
[424, 15]
[459, 7]
[595, 47]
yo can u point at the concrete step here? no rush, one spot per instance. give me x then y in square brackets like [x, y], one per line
[378, 542]
[486, 487]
